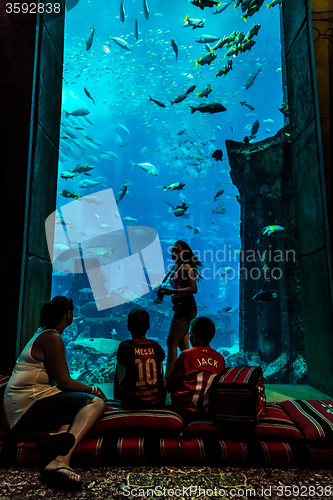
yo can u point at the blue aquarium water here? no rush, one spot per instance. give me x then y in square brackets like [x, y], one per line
[128, 99]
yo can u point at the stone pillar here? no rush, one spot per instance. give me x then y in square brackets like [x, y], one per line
[272, 328]
[307, 169]
[30, 103]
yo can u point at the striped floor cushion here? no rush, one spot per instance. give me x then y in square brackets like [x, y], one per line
[199, 451]
[313, 418]
[164, 422]
[273, 425]
[126, 451]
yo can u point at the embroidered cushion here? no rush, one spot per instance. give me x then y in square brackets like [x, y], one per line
[273, 425]
[140, 422]
[237, 397]
[313, 418]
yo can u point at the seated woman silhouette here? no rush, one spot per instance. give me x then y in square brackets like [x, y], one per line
[41, 395]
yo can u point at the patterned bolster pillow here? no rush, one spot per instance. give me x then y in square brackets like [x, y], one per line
[273, 425]
[137, 423]
[237, 398]
[313, 418]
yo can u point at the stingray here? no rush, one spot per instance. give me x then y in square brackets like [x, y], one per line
[99, 345]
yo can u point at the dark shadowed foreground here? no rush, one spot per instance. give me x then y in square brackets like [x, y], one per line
[172, 483]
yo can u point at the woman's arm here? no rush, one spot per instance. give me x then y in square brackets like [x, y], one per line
[55, 356]
[190, 280]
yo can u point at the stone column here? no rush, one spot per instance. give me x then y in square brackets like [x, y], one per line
[261, 172]
[30, 103]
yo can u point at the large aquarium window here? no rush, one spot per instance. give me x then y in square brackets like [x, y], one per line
[151, 92]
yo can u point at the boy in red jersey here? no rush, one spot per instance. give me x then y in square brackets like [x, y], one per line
[139, 374]
[194, 371]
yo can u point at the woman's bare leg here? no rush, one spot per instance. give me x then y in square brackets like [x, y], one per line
[178, 328]
[81, 424]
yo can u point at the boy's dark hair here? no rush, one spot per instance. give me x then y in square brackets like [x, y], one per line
[52, 312]
[138, 322]
[203, 328]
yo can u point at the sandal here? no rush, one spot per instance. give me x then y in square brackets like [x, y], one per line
[56, 444]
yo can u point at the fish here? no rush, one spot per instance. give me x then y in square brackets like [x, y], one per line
[190, 89]
[250, 81]
[217, 155]
[90, 39]
[88, 184]
[180, 209]
[129, 219]
[77, 112]
[69, 132]
[122, 192]
[284, 109]
[181, 131]
[145, 9]
[125, 129]
[265, 295]
[136, 29]
[222, 7]
[82, 168]
[69, 194]
[147, 167]
[174, 46]
[244, 103]
[269, 120]
[275, 2]
[175, 186]
[207, 39]
[178, 99]
[207, 59]
[251, 8]
[255, 128]
[253, 31]
[99, 345]
[122, 11]
[159, 103]
[205, 92]
[189, 226]
[209, 107]
[122, 43]
[225, 69]
[220, 209]
[92, 199]
[66, 174]
[205, 3]
[195, 23]
[196, 230]
[221, 191]
[88, 95]
[272, 229]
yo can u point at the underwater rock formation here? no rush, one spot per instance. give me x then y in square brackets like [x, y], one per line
[271, 324]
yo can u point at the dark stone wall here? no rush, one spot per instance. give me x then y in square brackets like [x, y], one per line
[30, 99]
[271, 329]
[313, 247]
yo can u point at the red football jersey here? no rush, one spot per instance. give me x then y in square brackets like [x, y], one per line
[191, 378]
[143, 385]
